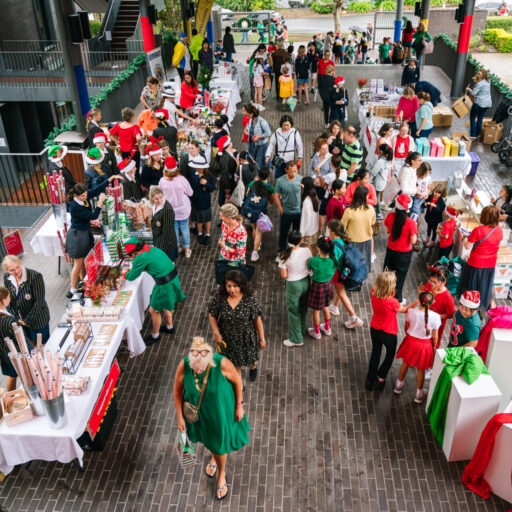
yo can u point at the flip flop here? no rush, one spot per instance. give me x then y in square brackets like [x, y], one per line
[211, 467]
[220, 489]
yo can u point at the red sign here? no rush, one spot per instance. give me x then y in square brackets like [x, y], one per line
[206, 98]
[368, 135]
[13, 243]
[100, 408]
[98, 252]
[91, 267]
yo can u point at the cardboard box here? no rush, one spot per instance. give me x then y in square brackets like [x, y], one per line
[13, 415]
[503, 273]
[463, 136]
[462, 106]
[492, 132]
[485, 121]
[501, 290]
[442, 117]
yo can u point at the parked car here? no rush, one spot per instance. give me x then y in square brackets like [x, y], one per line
[295, 4]
[254, 18]
[227, 14]
[491, 5]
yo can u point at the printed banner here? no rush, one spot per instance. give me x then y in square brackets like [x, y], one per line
[204, 8]
[156, 64]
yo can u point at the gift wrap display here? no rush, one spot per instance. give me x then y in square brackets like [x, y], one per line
[462, 397]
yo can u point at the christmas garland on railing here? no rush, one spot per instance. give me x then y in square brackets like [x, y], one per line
[102, 96]
[495, 80]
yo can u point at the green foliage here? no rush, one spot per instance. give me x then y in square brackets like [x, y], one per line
[360, 7]
[410, 2]
[102, 96]
[504, 22]
[474, 41]
[484, 48]
[170, 16]
[243, 5]
[259, 5]
[204, 77]
[499, 38]
[388, 5]
[95, 27]
[321, 8]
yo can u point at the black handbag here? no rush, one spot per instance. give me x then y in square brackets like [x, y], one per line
[223, 266]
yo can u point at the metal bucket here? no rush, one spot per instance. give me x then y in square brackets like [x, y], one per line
[35, 399]
[55, 412]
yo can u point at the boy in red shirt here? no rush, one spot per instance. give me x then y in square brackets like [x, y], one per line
[446, 232]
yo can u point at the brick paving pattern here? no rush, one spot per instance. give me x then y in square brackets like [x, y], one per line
[319, 441]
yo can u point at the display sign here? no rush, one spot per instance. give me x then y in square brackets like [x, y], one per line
[156, 64]
[98, 252]
[91, 267]
[203, 10]
[93, 425]
[13, 243]
[206, 98]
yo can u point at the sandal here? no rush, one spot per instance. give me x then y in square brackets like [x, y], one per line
[211, 467]
[220, 489]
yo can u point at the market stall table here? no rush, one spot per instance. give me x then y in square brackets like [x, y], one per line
[34, 439]
[46, 240]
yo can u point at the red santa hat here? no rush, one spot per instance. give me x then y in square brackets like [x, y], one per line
[162, 113]
[126, 165]
[170, 163]
[154, 150]
[223, 143]
[470, 299]
[339, 80]
[403, 202]
[452, 212]
[100, 137]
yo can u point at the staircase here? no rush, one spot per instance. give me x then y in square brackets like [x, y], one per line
[126, 24]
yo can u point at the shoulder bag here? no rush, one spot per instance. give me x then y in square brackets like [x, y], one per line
[277, 161]
[476, 244]
[238, 195]
[191, 411]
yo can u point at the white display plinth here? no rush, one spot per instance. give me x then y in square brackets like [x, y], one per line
[470, 407]
[499, 468]
[499, 363]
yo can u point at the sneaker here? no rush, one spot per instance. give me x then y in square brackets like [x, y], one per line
[428, 374]
[149, 340]
[327, 332]
[378, 385]
[188, 253]
[373, 257]
[201, 240]
[207, 240]
[313, 90]
[313, 334]
[351, 324]
[263, 98]
[288, 343]
[368, 385]
[420, 396]
[193, 230]
[380, 216]
[255, 256]
[164, 329]
[253, 373]
[334, 310]
[261, 108]
[403, 303]
[398, 387]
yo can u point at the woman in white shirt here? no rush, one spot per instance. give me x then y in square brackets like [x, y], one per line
[407, 176]
[293, 263]
[310, 217]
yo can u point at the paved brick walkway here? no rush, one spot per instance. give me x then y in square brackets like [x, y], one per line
[319, 441]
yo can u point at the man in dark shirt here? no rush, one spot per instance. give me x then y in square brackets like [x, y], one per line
[165, 130]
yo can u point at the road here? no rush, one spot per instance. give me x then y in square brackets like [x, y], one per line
[324, 24]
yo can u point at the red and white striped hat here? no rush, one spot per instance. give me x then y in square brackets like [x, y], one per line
[404, 202]
[126, 165]
[154, 150]
[162, 113]
[170, 163]
[470, 299]
[100, 137]
[223, 143]
[452, 212]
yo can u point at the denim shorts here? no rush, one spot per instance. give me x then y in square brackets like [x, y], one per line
[303, 80]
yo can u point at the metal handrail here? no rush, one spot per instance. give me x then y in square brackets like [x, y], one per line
[105, 22]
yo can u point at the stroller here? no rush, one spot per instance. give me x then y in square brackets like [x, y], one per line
[504, 146]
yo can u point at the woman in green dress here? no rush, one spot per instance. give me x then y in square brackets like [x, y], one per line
[222, 426]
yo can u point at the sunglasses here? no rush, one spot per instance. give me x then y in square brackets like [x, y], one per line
[203, 353]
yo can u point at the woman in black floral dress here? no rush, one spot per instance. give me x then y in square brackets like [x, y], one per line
[235, 317]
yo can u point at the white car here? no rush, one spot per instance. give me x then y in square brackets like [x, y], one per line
[491, 5]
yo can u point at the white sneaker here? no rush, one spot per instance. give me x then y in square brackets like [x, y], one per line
[428, 374]
[373, 257]
[420, 396]
[261, 108]
[352, 323]
[398, 387]
[288, 343]
[327, 332]
[188, 253]
[313, 334]
[255, 256]
[334, 310]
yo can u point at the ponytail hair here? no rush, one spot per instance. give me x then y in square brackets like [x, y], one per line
[337, 227]
[426, 300]
[93, 112]
[326, 246]
[294, 239]
[76, 190]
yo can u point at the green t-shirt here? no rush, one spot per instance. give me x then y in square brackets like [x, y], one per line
[323, 269]
[270, 188]
[384, 51]
[290, 192]
[464, 330]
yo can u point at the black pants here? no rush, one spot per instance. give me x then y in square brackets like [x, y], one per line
[287, 220]
[431, 230]
[326, 109]
[181, 72]
[381, 339]
[398, 262]
[195, 68]
[445, 251]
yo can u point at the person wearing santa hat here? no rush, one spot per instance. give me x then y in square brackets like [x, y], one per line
[152, 171]
[167, 291]
[225, 165]
[339, 101]
[100, 141]
[165, 129]
[94, 174]
[403, 233]
[177, 191]
[446, 232]
[131, 187]
[467, 324]
[56, 154]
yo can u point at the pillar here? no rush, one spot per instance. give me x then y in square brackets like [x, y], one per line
[425, 12]
[462, 50]
[397, 36]
[148, 36]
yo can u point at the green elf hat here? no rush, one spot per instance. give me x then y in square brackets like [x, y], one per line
[56, 153]
[94, 156]
[131, 244]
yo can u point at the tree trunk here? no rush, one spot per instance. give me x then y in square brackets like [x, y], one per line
[337, 15]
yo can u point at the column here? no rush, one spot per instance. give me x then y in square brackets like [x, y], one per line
[425, 11]
[397, 36]
[146, 27]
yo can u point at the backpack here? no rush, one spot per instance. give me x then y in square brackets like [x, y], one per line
[351, 267]
[254, 204]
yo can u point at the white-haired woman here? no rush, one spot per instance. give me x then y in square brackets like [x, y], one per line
[222, 426]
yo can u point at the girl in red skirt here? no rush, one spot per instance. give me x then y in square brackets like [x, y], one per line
[321, 290]
[417, 349]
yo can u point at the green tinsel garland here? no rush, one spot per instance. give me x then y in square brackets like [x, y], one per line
[205, 75]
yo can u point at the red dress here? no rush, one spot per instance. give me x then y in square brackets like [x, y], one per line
[245, 122]
[127, 137]
[444, 305]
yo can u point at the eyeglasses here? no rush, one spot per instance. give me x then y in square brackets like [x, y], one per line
[203, 353]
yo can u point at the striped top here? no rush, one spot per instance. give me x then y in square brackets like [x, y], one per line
[351, 154]
[29, 303]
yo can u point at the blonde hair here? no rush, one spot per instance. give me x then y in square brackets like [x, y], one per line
[280, 44]
[231, 211]
[10, 260]
[329, 69]
[385, 285]
[198, 343]
[408, 92]
[93, 112]
[153, 191]
[404, 125]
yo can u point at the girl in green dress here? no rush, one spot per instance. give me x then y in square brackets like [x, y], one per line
[222, 426]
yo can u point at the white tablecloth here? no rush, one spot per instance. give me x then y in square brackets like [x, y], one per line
[46, 240]
[34, 439]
